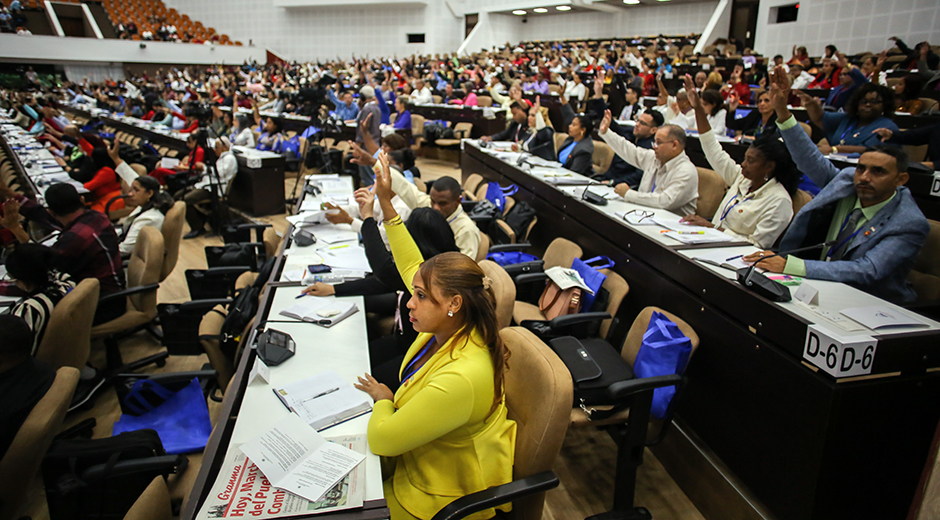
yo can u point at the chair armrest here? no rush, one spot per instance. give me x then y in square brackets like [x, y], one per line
[468, 205]
[574, 319]
[225, 270]
[128, 292]
[203, 305]
[621, 390]
[252, 225]
[164, 463]
[528, 278]
[522, 246]
[497, 495]
[516, 270]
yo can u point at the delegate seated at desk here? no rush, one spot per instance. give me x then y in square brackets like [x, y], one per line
[518, 129]
[447, 425]
[870, 218]
[670, 180]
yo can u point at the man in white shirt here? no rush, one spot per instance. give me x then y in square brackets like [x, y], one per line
[226, 166]
[801, 79]
[421, 94]
[670, 180]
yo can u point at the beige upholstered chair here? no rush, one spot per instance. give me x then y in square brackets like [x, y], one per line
[711, 189]
[20, 464]
[272, 242]
[925, 275]
[602, 157]
[560, 252]
[211, 325]
[153, 503]
[484, 246]
[559, 138]
[470, 186]
[538, 393]
[800, 199]
[172, 231]
[616, 286]
[67, 340]
[504, 289]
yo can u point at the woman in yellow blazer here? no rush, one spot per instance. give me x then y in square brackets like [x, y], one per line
[446, 426]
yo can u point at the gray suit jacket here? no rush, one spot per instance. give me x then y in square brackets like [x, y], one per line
[879, 259]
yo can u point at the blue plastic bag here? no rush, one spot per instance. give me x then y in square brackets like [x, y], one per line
[665, 351]
[592, 276]
[497, 194]
[182, 421]
[505, 258]
[291, 145]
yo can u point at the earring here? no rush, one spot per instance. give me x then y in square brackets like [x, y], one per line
[766, 178]
[450, 314]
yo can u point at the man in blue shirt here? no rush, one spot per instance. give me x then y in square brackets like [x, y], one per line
[345, 109]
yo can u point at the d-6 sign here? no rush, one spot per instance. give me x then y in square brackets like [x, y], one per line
[839, 355]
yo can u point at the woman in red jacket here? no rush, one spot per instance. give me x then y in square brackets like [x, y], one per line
[106, 184]
[196, 142]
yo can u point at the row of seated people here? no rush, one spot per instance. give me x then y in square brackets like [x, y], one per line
[871, 227]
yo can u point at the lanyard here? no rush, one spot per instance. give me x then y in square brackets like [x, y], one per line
[847, 130]
[415, 360]
[847, 239]
[728, 209]
[456, 214]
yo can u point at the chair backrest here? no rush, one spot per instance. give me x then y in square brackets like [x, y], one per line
[144, 268]
[20, 464]
[539, 394]
[504, 289]
[617, 288]
[711, 189]
[602, 157]
[916, 153]
[422, 187]
[800, 199]
[67, 341]
[559, 140]
[484, 246]
[470, 185]
[437, 99]
[929, 104]
[462, 130]
[211, 325]
[806, 128]
[271, 241]
[139, 168]
[631, 345]
[417, 125]
[484, 101]
[153, 503]
[481, 191]
[925, 274]
[172, 231]
[561, 252]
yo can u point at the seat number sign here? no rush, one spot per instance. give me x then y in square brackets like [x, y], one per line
[837, 354]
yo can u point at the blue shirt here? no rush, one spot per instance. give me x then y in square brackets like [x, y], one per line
[342, 112]
[565, 152]
[841, 129]
[403, 120]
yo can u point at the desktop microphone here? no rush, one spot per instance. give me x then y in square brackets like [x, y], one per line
[593, 198]
[522, 158]
[765, 286]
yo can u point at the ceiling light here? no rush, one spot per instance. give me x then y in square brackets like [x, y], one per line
[540, 10]
[631, 2]
[518, 12]
[563, 7]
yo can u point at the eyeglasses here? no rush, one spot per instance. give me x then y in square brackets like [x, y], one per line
[657, 144]
[641, 122]
[638, 213]
[866, 101]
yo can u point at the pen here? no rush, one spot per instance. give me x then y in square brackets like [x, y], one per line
[330, 391]
[690, 232]
[733, 258]
[338, 247]
[299, 296]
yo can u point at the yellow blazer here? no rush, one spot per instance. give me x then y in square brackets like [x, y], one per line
[446, 441]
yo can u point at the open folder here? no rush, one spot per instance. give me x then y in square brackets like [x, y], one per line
[322, 311]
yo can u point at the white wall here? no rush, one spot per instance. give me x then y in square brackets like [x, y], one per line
[55, 49]
[95, 72]
[852, 25]
[309, 33]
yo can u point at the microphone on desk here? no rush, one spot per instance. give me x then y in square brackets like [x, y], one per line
[765, 286]
[593, 198]
[523, 158]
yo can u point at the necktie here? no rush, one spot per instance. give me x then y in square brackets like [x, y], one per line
[842, 241]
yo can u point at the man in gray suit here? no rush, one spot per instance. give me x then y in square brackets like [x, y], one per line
[871, 228]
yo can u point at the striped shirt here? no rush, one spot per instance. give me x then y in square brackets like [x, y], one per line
[36, 308]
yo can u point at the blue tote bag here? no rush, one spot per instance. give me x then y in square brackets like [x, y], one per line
[665, 351]
[590, 271]
[181, 421]
[497, 194]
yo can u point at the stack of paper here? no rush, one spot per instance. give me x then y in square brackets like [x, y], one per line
[722, 259]
[346, 256]
[324, 400]
[882, 317]
[566, 278]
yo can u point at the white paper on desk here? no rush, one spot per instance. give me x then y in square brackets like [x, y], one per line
[333, 186]
[878, 317]
[723, 259]
[351, 257]
[294, 457]
[169, 162]
[293, 275]
[307, 217]
[637, 219]
[332, 234]
[701, 236]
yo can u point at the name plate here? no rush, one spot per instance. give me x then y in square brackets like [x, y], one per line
[837, 354]
[935, 185]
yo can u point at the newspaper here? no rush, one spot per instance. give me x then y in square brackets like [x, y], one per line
[242, 491]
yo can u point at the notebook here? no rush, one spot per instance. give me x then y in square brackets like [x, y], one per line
[322, 311]
[324, 400]
[722, 259]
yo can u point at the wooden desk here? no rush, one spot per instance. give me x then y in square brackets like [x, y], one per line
[460, 114]
[804, 444]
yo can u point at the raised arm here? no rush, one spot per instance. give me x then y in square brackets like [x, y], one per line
[406, 253]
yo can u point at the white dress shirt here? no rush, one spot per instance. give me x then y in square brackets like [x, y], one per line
[135, 222]
[803, 80]
[423, 96]
[226, 167]
[759, 217]
[672, 186]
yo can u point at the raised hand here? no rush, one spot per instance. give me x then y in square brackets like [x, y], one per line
[366, 200]
[694, 99]
[383, 180]
[605, 123]
[113, 152]
[883, 133]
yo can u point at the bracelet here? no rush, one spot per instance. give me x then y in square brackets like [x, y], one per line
[835, 150]
[394, 221]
